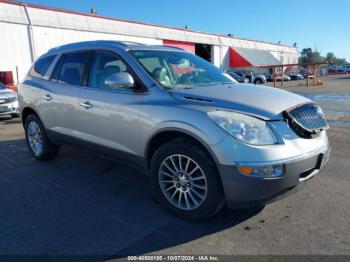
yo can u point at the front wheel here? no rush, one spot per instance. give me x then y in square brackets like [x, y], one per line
[185, 180]
[37, 140]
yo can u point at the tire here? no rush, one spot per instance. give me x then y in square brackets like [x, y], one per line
[44, 149]
[194, 206]
[258, 82]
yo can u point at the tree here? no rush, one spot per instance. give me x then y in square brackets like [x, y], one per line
[330, 57]
[307, 55]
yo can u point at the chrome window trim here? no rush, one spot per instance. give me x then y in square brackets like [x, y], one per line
[110, 90]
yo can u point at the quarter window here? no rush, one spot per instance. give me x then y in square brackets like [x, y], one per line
[40, 67]
[70, 69]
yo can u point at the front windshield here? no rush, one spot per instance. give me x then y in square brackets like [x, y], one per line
[174, 69]
[2, 86]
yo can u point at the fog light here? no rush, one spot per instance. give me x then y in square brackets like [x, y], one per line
[261, 171]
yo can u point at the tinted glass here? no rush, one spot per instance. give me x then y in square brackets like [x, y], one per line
[2, 86]
[72, 68]
[179, 69]
[233, 74]
[40, 67]
[104, 65]
[56, 71]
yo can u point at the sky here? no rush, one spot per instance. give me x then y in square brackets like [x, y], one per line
[320, 24]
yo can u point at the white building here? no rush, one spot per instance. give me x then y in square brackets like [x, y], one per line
[27, 31]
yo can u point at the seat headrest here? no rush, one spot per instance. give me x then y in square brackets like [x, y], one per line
[110, 70]
[159, 74]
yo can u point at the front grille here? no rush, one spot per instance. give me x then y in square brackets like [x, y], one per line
[7, 100]
[306, 120]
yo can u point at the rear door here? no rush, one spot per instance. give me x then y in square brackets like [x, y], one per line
[59, 106]
[110, 117]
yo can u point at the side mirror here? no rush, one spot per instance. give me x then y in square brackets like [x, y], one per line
[120, 80]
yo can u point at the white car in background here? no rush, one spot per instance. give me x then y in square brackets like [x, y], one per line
[8, 101]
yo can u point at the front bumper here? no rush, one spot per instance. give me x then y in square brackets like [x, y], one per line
[9, 108]
[244, 191]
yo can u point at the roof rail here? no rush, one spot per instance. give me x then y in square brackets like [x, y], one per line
[175, 47]
[130, 43]
[93, 42]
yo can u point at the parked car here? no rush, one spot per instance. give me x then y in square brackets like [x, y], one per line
[237, 77]
[346, 68]
[285, 77]
[204, 140]
[335, 69]
[257, 79]
[304, 72]
[295, 76]
[8, 101]
[268, 77]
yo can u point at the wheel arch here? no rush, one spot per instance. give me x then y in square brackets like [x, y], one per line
[26, 112]
[167, 134]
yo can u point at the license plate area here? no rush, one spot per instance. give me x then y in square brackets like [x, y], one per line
[4, 109]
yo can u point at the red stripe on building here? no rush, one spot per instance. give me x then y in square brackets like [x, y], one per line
[236, 60]
[190, 47]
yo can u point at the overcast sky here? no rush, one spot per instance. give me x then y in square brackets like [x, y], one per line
[321, 24]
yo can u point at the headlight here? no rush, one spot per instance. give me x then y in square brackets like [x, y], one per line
[243, 127]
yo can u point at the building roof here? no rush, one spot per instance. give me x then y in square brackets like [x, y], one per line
[41, 16]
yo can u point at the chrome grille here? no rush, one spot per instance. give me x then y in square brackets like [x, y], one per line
[6, 100]
[306, 120]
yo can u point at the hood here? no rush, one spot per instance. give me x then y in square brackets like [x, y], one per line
[7, 93]
[265, 102]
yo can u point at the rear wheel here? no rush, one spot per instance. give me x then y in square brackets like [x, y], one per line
[37, 140]
[185, 180]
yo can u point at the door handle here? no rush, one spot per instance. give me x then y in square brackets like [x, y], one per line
[86, 105]
[48, 97]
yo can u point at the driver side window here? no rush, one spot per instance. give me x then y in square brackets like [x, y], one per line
[104, 65]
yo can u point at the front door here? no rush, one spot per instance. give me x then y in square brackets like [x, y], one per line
[109, 117]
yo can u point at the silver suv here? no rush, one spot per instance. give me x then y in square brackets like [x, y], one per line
[205, 140]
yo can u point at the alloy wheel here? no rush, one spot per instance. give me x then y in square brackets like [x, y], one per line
[183, 182]
[35, 138]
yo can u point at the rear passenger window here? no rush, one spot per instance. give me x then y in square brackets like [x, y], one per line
[70, 69]
[40, 67]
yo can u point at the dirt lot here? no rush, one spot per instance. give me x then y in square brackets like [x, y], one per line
[84, 204]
